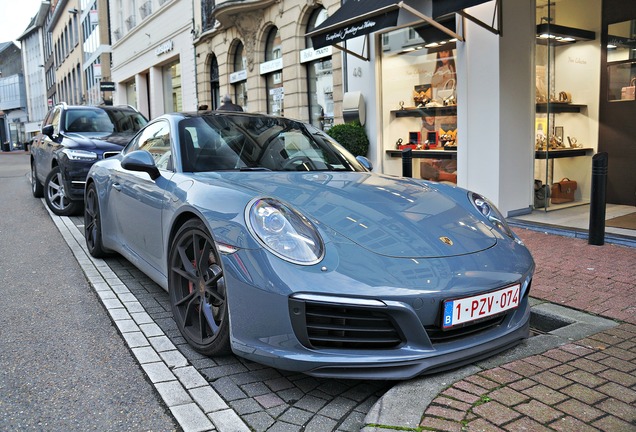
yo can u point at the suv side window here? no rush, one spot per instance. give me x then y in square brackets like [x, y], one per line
[54, 119]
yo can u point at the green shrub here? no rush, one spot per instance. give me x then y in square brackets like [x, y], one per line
[351, 136]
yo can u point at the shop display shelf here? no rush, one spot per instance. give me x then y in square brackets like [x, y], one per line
[432, 111]
[562, 153]
[437, 153]
[559, 107]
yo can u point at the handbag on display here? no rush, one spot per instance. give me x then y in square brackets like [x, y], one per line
[629, 92]
[447, 93]
[563, 191]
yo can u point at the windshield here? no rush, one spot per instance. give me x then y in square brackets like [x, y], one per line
[241, 142]
[99, 120]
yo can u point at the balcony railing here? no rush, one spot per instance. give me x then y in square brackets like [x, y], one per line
[145, 9]
[131, 22]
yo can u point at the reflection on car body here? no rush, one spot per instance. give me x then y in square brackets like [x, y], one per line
[277, 244]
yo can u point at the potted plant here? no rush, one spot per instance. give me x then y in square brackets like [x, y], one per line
[351, 136]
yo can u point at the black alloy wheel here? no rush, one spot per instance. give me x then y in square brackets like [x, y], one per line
[36, 187]
[93, 224]
[55, 195]
[197, 290]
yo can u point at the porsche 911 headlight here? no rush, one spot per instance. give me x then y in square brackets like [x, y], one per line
[490, 212]
[80, 155]
[284, 232]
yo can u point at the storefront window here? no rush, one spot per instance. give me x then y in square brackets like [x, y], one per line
[621, 61]
[238, 78]
[319, 76]
[421, 106]
[172, 88]
[566, 58]
[272, 68]
[131, 93]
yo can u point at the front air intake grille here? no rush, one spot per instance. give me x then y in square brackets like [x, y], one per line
[437, 335]
[321, 325]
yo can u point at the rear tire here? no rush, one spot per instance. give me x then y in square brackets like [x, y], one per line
[36, 187]
[56, 197]
[93, 224]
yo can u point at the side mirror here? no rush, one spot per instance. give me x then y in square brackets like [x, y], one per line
[365, 162]
[141, 161]
[48, 131]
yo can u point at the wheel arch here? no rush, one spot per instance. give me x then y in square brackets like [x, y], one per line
[89, 181]
[179, 221]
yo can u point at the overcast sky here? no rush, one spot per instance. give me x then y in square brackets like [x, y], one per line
[15, 16]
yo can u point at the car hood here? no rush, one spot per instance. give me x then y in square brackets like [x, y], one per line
[100, 140]
[386, 215]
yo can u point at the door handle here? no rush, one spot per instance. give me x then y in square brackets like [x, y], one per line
[117, 187]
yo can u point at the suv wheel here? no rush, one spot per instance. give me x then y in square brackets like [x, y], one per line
[36, 187]
[56, 197]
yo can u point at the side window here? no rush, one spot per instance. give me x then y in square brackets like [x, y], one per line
[155, 139]
[54, 119]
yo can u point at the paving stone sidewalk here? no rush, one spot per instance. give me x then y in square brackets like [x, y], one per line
[588, 385]
[584, 385]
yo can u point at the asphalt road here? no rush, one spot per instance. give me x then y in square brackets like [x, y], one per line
[63, 365]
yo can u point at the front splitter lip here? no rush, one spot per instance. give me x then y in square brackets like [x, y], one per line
[398, 364]
[410, 369]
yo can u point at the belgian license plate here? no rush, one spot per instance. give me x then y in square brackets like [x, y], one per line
[463, 310]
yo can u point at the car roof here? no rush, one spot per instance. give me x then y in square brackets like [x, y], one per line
[103, 107]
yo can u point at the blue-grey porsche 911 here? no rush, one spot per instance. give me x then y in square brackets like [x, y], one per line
[278, 245]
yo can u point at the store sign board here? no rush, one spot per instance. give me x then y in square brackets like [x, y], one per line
[106, 86]
[238, 76]
[332, 31]
[311, 54]
[271, 66]
[164, 48]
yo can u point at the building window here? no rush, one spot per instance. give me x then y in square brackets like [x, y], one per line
[273, 71]
[238, 78]
[131, 93]
[319, 77]
[215, 87]
[172, 88]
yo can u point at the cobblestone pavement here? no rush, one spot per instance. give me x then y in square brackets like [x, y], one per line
[587, 384]
[263, 397]
[584, 385]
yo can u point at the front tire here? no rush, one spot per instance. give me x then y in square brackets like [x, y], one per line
[93, 224]
[56, 197]
[36, 187]
[197, 290]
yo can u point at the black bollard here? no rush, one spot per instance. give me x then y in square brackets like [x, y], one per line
[596, 235]
[407, 163]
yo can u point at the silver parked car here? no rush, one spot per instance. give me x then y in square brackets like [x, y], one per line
[277, 244]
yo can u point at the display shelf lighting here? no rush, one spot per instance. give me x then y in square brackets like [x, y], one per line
[557, 34]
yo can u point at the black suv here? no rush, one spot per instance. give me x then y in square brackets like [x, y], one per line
[72, 139]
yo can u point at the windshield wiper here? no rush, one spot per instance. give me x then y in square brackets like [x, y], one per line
[254, 169]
